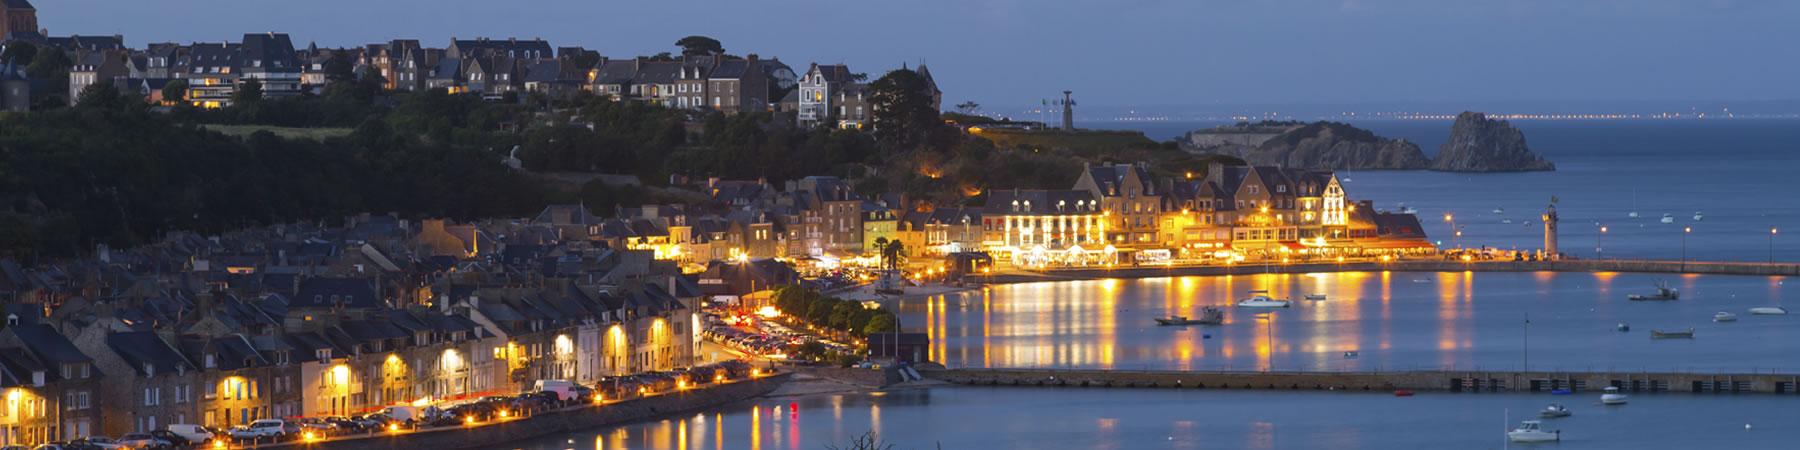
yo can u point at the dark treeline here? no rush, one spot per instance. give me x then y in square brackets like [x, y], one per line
[110, 171]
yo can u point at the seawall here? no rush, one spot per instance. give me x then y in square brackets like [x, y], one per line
[1455, 381]
[504, 434]
[1608, 265]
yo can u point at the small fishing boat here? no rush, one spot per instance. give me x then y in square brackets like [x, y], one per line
[1533, 431]
[1699, 217]
[1498, 210]
[1403, 393]
[1668, 218]
[1723, 316]
[1315, 297]
[1663, 292]
[1677, 334]
[1264, 301]
[1611, 396]
[1769, 311]
[1208, 316]
[1555, 410]
[1507, 221]
[1623, 327]
[1633, 214]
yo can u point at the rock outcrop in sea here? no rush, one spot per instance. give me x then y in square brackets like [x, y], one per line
[1480, 144]
[1318, 145]
[1476, 144]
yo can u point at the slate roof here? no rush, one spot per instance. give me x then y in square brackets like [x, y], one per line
[1040, 202]
[48, 345]
[143, 349]
[274, 50]
[327, 292]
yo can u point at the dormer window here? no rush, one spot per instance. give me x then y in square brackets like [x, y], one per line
[149, 370]
[211, 361]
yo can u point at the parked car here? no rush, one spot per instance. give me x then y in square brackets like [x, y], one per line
[174, 440]
[564, 389]
[194, 434]
[100, 442]
[266, 429]
[143, 441]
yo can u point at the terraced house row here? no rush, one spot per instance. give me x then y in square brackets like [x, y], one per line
[305, 321]
[496, 69]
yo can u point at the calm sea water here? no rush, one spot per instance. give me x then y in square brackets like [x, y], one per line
[1737, 173]
[1070, 418]
[1390, 320]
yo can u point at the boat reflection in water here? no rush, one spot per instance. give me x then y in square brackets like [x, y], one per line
[1451, 320]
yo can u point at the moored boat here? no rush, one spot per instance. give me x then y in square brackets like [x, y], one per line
[1699, 217]
[1533, 431]
[1723, 316]
[1668, 218]
[1555, 410]
[1612, 396]
[1663, 292]
[1769, 311]
[1264, 301]
[1677, 334]
[1315, 297]
[1208, 316]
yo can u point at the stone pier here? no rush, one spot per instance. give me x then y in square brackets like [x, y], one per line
[1451, 381]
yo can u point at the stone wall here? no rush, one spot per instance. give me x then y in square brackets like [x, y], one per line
[500, 435]
[1622, 265]
[1378, 381]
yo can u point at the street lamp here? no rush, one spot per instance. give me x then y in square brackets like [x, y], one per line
[1448, 218]
[1772, 232]
[1599, 242]
[1684, 233]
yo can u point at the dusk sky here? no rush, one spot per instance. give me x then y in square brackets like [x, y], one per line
[1111, 52]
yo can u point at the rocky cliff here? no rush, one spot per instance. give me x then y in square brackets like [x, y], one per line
[1480, 144]
[1330, 146]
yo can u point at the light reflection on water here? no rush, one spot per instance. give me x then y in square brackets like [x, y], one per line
[1389, 319]
[1034, 418]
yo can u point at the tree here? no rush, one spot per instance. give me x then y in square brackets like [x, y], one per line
[175, 91]
[250, 92]
[904, 118]
[700, 45]
[102, 94]
[883, 322]
[968, 107]
[339, 68]
[19, 52]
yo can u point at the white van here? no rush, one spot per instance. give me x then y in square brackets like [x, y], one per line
[193, 433]
[403, 413]
[564, 389]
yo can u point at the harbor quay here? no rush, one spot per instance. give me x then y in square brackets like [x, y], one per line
[500, 433]
[1412, 380]
[1603, 265]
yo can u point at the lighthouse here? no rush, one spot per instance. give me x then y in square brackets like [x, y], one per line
[1550, 252]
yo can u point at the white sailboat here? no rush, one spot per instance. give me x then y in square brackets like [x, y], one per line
[1261, 299]
[1668, 218]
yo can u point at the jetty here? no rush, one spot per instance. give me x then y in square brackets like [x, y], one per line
[1589, 266]
[1421, 380]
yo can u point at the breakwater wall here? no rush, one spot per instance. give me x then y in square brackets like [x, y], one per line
[1604, 265]
[504, 434]
[1452, 381]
